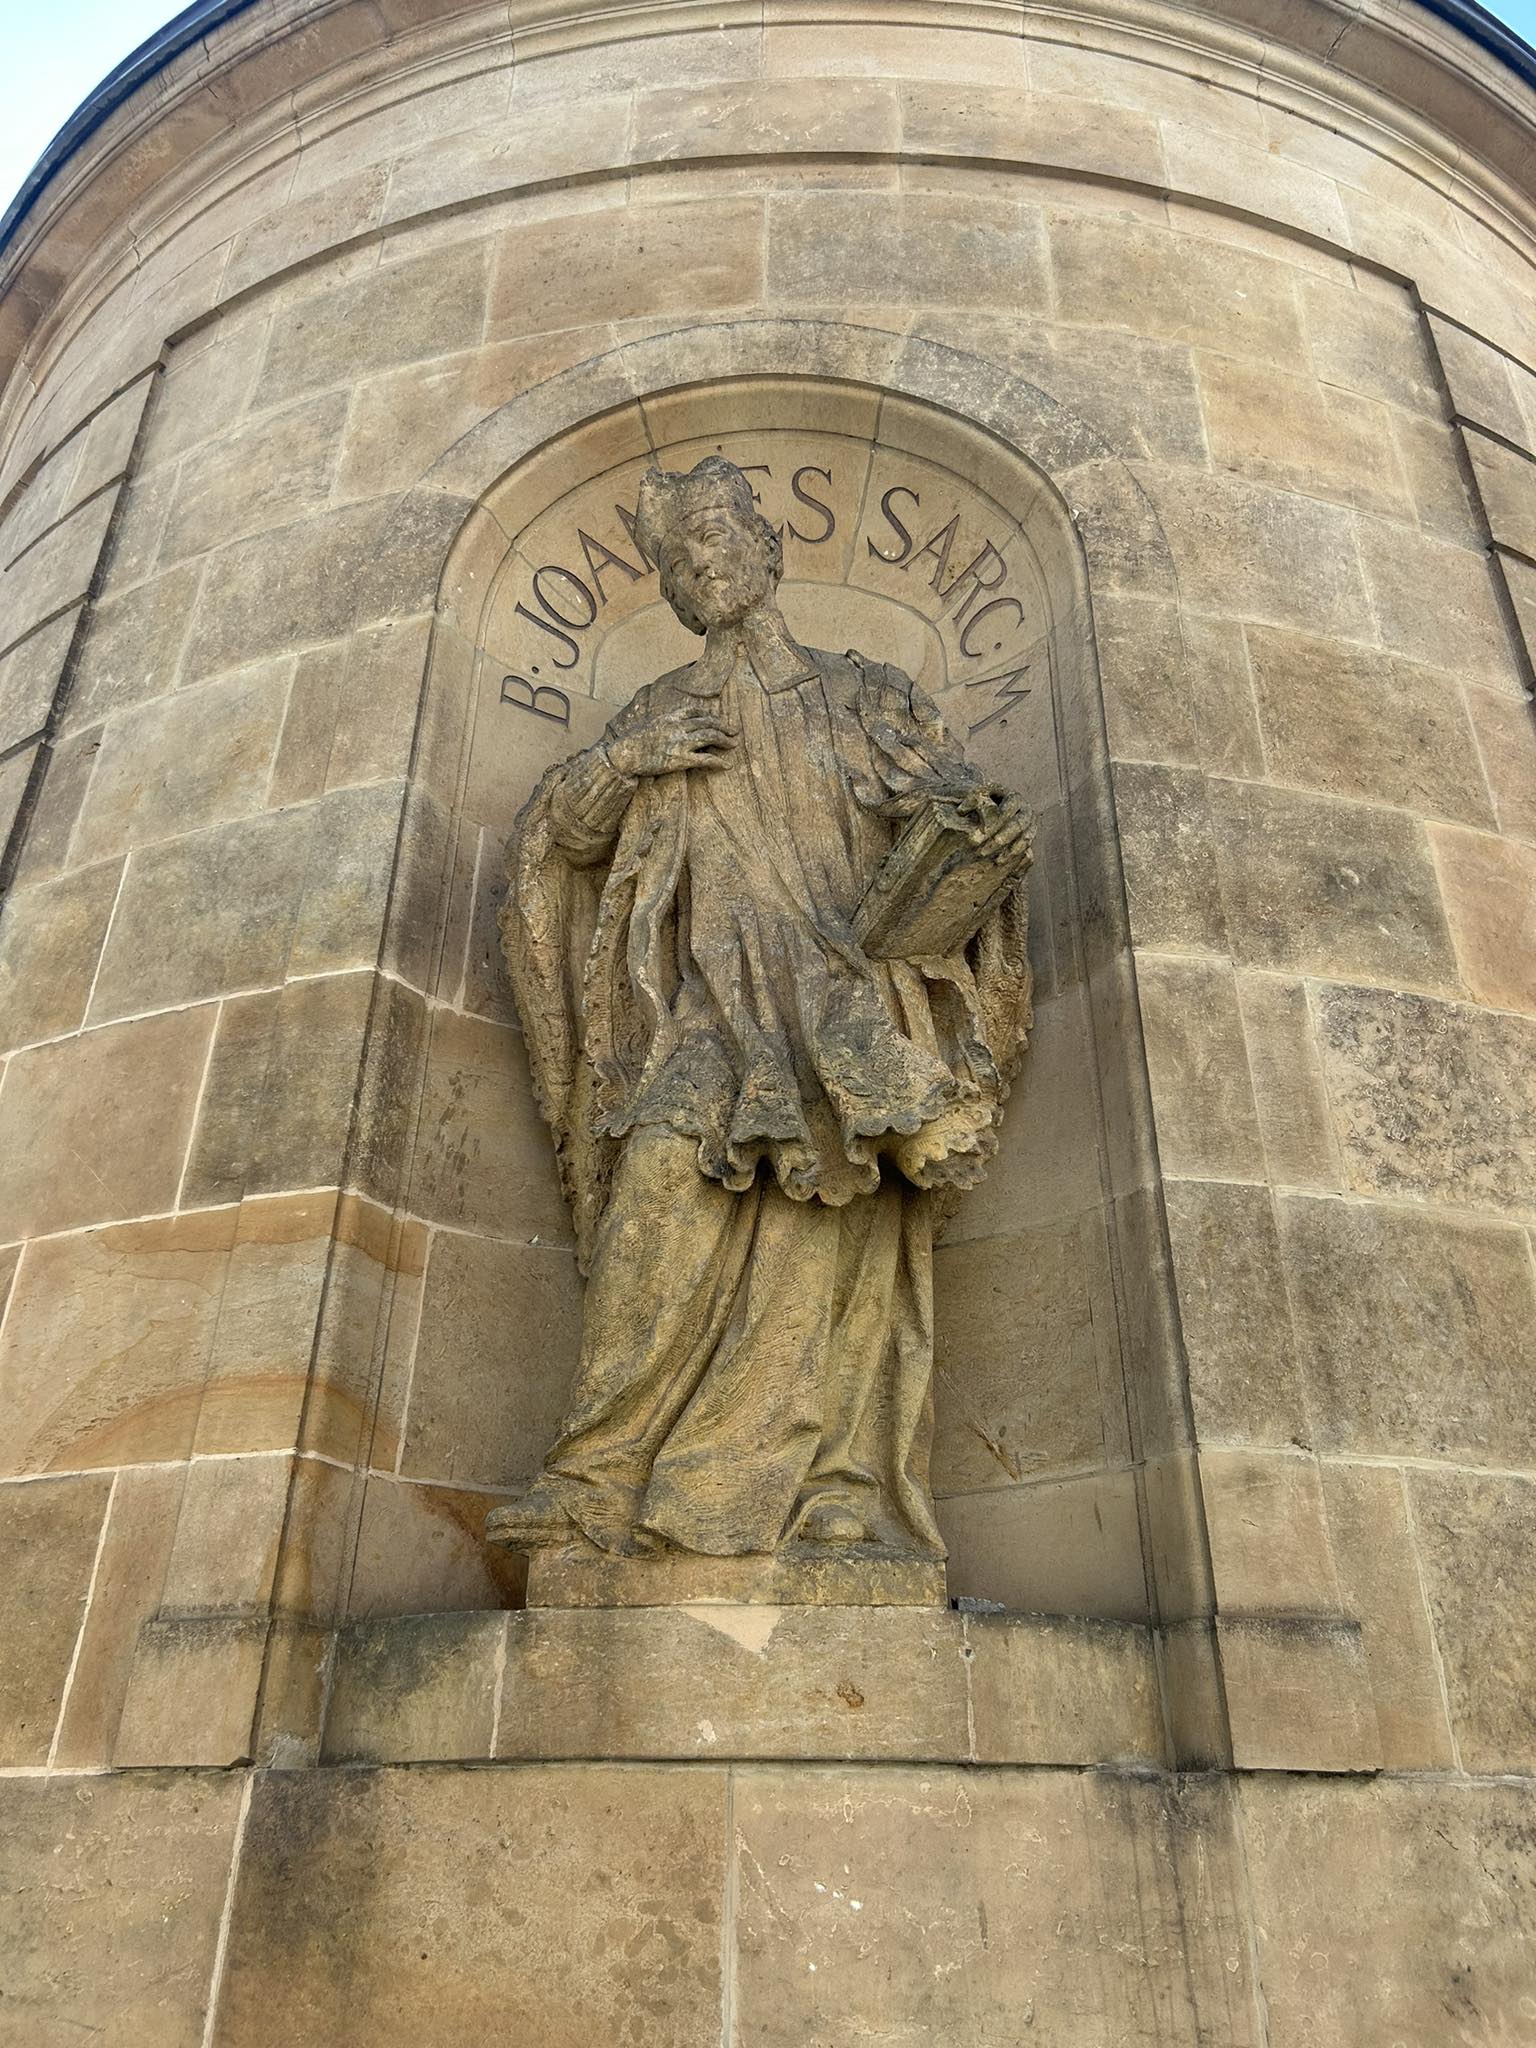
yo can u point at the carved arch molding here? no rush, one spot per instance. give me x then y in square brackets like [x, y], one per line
[926, 535]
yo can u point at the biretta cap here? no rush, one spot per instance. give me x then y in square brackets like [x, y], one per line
[669, 495]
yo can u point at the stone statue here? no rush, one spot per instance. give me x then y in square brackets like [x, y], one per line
[755, 1118]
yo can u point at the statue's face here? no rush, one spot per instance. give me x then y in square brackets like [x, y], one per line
[715, 570]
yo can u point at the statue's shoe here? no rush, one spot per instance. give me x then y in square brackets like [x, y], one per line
[833, 1521]
[531, 1523]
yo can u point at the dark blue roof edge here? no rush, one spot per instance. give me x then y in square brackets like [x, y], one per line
[194, 22]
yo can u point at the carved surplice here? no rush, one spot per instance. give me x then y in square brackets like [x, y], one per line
[757, 1121]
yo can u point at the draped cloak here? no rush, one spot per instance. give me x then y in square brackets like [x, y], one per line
[683, 960]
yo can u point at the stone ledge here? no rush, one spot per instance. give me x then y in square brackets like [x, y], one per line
[581, 1575]
[815, 1684]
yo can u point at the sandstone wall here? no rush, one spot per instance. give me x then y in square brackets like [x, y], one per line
[1246, 312]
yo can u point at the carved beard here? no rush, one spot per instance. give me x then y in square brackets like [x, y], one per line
[755, 577]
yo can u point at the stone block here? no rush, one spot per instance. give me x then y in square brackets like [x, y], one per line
[54, 573]
[276, 591]
[1017, 1372]
[1245, 549]
[1391, 1911]
[768, 117]
[495, 1360]
[998, 121]
[579, 1575]
[192, 1692]
[262, 473]
[395, 314]
[1489, 888]
[1429, 455]
[1474, 1538]
[1348, 721]
[1470, 1077]
[1298, 434]
[485, 1160]
[1063, 1691]
[1506, 483]
[278, 1104]
[1061, 1546]
[66, 771]
[980, 1906]
[1481, 381]
[15, 778]
[421, 1550]
[107, 447]
[351, 712]
[1370, 342]
[183, 762]
[29, 679]
[1298, 1694]
[827, 247]
[1435, 602]
[113, 1888]
[1300, 1149]
[1197, 1060]
[415, 1689]
[1268, 1530]
[1171, 876]
[1412, 1327]
[1243, 1382]
[132, 645]
[1119, 274]
[130, 1568]
[500, 1878]
[107, 1342]
[51, 1532]
[1323, 887]
[208, 379]
[603, 266]
[1506, 740]
[1373, 1550]
[119, 1102]
[1199, 1735]
[1211, 165]
[50, 942]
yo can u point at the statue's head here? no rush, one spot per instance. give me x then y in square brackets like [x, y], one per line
[718, 558]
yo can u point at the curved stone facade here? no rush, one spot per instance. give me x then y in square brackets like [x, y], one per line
[1158, 385]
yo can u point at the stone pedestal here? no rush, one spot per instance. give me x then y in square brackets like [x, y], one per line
[581, 1575]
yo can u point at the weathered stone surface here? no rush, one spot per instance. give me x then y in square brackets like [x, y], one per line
[421, 1549]
[50, 942]
[1300, 1149]
[107, 1341]
[1268, 1532]
[1061, 1546]
[1473, 1532]
[1369, 342]
[1412, 1327]
[132, 646]
[1435, 602]
[193, 1692]
[1489, 887]
[1466, 1138]
[15, 779]
[51, 1530]
[417, 1688]
[112, 1891]
[1067, 1691]
[483, 1161]
[829, 246]
[266, 473]
[54, 573]
[1506, 482]
[44, 847]
[502, 1878]
[29, 677]
[1016, 1359]
[1243, 1381]
[1348, 721]
[1170, 861]
[120, 1102]
[386, 316]
[1481, 382]
[973, 1936]
[495, 1359]
[1389, 1911]
[1298, 433]
[182, 763]
[575, 1575]
[600, 266]
[1298, 1694]
[1374, 1553]
[1506, 739]
[1197, 1058]
[275, 591]
[1112, 274]
[1328, 888]
[1247, 549]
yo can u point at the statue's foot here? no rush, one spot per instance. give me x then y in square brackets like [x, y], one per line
[833, 1521]
[532, 1522]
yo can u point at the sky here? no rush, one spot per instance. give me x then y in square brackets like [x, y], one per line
[53, 52]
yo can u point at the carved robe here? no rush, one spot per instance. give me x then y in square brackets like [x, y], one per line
[753, 1120]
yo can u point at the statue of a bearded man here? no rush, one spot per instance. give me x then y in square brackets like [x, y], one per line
[755, 1119]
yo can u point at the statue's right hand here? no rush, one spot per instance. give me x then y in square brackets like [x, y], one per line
[679, 739]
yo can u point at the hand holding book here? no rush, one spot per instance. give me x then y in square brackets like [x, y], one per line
[958, 856]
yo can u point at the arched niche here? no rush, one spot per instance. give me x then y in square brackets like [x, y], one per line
[922, 536]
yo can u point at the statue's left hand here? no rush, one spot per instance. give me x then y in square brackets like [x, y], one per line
[1002, 822]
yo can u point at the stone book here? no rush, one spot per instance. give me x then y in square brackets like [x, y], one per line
[933, 890]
